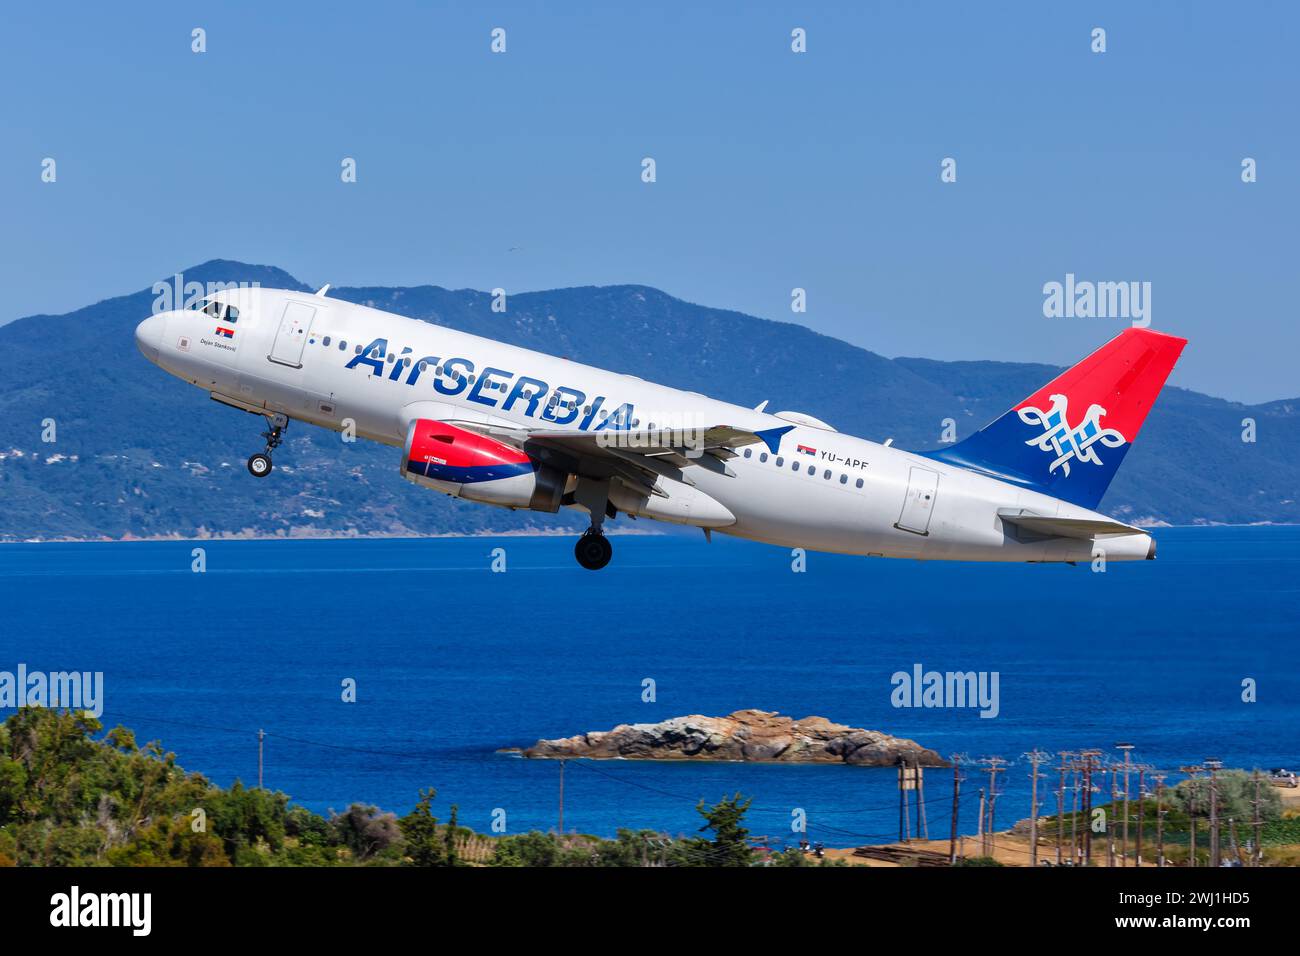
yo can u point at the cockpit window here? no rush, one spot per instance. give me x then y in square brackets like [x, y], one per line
[220, 311]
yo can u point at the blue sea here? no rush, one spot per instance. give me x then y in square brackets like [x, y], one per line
[453, 661]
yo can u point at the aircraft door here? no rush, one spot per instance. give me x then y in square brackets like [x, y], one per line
[918, 504]
[291, 337]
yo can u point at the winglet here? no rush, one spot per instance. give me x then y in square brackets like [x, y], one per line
[772, 437]
[322, 290]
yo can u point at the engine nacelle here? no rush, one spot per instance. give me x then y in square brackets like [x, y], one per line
[478, 468]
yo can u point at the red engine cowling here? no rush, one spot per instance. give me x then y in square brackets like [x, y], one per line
[478, 468]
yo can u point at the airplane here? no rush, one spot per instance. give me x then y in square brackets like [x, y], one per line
[500, 425]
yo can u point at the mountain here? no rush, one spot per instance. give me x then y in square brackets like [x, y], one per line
[139, 453]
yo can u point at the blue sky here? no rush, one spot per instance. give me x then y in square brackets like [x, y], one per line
[775, 170]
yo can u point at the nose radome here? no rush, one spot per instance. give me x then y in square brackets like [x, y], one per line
[148, 336]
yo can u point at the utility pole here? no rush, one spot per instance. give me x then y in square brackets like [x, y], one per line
[904, 820]
[1060, 810]
[1191, 810]
[1089, 764]
[979, 830]
[1110, 829]
[1142, 792]
[1214, 766]
[1257, 848]
[923, 826]
[261, 736]
[1035, 758]
[561, 797]
[1123, 847]
[995, 765]
[956, 796]
[1075, 852]
[1160, 820]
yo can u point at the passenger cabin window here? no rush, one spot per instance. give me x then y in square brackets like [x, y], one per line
[325, 341]
[859, 483]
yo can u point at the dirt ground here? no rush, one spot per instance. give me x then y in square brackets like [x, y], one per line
[1010, 850]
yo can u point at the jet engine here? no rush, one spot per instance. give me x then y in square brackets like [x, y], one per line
[469, 465]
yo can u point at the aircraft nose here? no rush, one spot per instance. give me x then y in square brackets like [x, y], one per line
[148, 336]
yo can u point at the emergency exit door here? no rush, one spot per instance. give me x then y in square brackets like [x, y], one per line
[291, 337]
[918, 505]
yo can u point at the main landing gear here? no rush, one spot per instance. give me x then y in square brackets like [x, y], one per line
[259, 465]
[593, 549]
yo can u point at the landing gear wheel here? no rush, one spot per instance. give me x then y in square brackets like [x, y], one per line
[593, 550]
[259, 466]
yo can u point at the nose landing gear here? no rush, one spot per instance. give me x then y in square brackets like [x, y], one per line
[259, 465]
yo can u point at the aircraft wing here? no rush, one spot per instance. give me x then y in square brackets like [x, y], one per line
[1065, 527]
[640, 457]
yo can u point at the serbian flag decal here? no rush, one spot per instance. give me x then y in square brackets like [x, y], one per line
[224, 333]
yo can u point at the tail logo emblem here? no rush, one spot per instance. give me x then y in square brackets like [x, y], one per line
[1066, 442]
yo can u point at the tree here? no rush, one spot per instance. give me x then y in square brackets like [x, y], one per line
[634, 848]
[730, 844]
[245, 819]
[1234, 795]
[527, 849]
[420, 831]
[451, 837]
[366, 831]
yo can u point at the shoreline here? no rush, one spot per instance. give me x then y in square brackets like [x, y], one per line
[517, 533]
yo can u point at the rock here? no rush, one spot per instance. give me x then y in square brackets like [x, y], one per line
[749, 735]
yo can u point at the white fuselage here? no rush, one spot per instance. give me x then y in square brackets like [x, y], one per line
[848, 495]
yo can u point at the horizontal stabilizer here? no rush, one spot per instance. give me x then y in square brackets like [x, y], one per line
[1065, 527]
